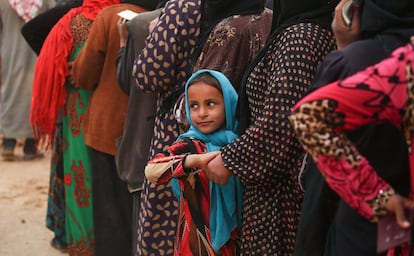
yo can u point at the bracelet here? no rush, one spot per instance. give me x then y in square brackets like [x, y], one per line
[380, 202]
[186, 170]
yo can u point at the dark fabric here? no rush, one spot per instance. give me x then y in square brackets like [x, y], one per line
[269, 4]
[289, 12]
[271, 193]
[161, 3]
[133, 147]
[29, 146]
[285, 14]
[9, 143]
[348, 234]
[123, 78]
[337, 65]
[36, 30]
[314, 225]
[387, 17]
[147, 4]
[381, 37]
[136, 205]
[216, 10]
[112, 211]
[391, 165]
[213, 11]
[234, 43]
[55, 211]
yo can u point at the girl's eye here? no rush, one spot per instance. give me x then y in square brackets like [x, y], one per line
[211, 103]
[193, 105]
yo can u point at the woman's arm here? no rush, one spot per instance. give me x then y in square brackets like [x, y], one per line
[376, 95]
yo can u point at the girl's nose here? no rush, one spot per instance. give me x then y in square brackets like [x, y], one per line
[203, 111]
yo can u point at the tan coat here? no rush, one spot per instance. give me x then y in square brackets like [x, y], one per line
[95, 69]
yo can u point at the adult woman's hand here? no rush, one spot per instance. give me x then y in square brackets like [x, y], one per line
[344, 34]
[397, 204]
[217, 172]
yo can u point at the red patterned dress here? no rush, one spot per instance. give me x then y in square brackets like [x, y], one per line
[193, 233]
[383, 93]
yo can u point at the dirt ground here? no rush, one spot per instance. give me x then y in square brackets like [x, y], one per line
[23, 201]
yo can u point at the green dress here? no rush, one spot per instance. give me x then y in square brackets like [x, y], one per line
[77, 171]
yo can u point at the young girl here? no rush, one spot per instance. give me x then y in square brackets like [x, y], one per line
[209, 213]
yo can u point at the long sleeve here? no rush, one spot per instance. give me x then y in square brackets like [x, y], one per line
[122, 74]
[375, 95]
[268, 152]
[162, 168]
[164, 62]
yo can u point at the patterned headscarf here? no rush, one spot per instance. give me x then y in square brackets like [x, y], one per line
[52, 68]
[26, 9]
[213, 11]
[285, 14]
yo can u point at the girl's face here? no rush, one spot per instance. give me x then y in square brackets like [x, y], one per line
[206, 107]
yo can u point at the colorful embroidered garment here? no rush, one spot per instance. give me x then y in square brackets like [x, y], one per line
[54, 94]
[77, 172]
[382, 93]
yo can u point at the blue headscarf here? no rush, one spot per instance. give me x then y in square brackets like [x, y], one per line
[225, 200]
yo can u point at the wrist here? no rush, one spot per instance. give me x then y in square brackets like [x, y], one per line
[185, 162]
[379, 204]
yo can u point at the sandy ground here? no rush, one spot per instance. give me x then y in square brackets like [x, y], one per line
[23, 200]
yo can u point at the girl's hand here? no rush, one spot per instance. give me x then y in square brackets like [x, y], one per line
[397, 204]
[199, 161]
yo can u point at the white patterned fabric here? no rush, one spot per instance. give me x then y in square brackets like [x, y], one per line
[26, 9]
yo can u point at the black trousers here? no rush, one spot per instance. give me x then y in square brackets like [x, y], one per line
[112, 208]
[29, 146]
[328, 226]
[135, 214]
[317, 213]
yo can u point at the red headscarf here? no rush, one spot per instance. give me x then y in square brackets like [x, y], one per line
[52, 68]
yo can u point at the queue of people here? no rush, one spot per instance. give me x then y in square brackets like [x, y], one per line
[204, 127]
